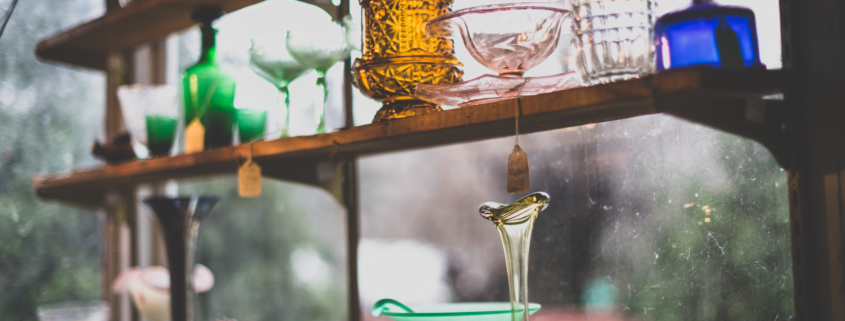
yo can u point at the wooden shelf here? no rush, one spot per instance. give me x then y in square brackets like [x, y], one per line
[137, 23]
[690, 93]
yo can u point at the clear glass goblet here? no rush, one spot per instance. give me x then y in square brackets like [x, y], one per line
[270, 59]
[318, 46]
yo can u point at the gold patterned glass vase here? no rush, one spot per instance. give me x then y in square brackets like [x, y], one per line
[398, 55]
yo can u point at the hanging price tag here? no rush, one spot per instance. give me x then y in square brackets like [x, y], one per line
[518, 178]
[194, 137]
[249, 178]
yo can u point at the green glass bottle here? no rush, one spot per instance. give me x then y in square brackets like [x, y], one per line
[209, 90]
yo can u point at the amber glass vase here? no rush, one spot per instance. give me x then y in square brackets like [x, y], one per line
[398, 55]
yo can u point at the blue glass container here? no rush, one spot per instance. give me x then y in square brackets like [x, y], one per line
[707, 34]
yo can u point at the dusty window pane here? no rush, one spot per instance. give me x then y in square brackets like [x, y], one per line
[49, 116]
[280, 256]
[651, 218]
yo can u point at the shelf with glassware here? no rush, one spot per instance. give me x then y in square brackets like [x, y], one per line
[695, 93]
[133, 25]
[412, 72]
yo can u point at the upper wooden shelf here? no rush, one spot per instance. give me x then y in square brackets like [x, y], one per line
[137, 23]
[695, 93]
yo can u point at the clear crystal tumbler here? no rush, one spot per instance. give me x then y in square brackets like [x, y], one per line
[612, 39]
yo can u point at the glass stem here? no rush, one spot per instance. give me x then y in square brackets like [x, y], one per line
[193, 222]
[321, 109]
[516, 239]
[284, 96]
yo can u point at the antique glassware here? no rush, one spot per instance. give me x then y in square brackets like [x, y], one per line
[252, 124]
[397, 55]
[488, 88]
[270, 59]
[612, 40]
[465, 311]
[151, 113]
[209, 90]
[180, 220]
[507, 38]
[515, 223]
[707, 34]
[318, 46]
[509, 49]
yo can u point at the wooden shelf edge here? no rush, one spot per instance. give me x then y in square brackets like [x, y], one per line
[296, 158]
[137, 23]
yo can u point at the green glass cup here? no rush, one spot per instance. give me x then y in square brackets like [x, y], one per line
[151, 114]
[161, 133]
[252, 124]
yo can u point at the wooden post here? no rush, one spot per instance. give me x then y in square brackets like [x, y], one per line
[119, 243]
[149, 67]
[119, 247]
[353, 234]
[814, 48]
[350, 189]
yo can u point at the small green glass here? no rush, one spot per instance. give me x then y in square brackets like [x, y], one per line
[151, 114]
[161, 132]
[252, 124]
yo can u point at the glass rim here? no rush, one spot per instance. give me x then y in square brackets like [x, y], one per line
[72, 305]
[504, 7]
[532, 307]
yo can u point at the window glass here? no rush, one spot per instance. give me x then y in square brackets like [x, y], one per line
[280, 256]
[49, 117]
[651, 218]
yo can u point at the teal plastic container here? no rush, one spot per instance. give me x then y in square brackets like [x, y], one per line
[473, 311]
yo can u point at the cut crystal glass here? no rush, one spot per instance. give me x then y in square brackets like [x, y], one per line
[528, 37]
[510, 49]
[488, 88]
[612, 39]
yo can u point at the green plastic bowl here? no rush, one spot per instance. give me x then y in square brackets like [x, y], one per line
[473, 311]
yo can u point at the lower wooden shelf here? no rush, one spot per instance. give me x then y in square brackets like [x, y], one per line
[691, 93]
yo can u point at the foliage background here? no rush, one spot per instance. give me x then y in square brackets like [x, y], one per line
[49, 116]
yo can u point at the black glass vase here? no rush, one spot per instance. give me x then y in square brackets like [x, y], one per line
[180, 219]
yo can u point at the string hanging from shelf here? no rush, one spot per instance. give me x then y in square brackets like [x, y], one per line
[518, 180]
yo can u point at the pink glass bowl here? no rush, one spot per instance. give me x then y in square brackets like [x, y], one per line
[507, 38]
[489, 88]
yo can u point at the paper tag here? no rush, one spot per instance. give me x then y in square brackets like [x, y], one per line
[194, 137]
[249, 179]
[518, 181]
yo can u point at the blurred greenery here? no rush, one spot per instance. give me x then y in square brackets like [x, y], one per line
[250, 245]
[49, 116]
[682, 221]
[626, 235]
[724, 253]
